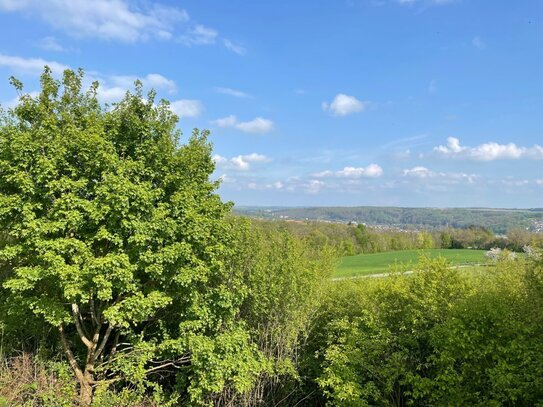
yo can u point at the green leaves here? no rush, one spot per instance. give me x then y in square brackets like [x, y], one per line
[136, 308]
[105, 209]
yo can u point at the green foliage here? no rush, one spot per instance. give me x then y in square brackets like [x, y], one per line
[425, 240]
[286, 280]
[112, 227]
[438, 337]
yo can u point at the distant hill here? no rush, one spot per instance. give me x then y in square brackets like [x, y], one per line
[497, 220]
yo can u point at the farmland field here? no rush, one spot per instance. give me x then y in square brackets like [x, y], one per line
[376, 263]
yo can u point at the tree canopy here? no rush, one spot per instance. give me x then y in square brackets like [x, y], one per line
[114, 235]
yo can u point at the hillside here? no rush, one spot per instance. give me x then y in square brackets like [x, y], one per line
[497, 220]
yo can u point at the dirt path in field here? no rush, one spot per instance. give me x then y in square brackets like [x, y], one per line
[381, 275]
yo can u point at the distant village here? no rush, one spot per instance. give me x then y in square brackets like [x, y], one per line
[537, 226]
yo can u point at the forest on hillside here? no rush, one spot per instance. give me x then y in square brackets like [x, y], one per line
[125, 280]
[499, 221]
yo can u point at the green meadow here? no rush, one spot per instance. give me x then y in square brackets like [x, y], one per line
[377, 263]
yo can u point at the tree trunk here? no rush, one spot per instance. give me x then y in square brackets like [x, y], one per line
[85, 391]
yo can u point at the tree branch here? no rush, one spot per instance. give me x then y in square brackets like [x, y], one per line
[69, 354]
[81, 333]
[93, 311]
[154, 369]
[104, 341]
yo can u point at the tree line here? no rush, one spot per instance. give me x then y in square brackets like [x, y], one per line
[353, 239]
[499, 221]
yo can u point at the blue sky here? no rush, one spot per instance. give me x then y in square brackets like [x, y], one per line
[328, 102]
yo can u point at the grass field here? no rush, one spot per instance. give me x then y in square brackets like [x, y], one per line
[376, 263]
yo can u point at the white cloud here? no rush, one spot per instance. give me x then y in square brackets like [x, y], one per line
[236, 48]
[152, 80]
[371, 171]
[510, 182]
[51, 44]
[314, 186]
[119, 20]
[539, 182]
[112, 87]
[478, 42]
[228, 121]
[15, 101]
[227, 179]
[292, 184]
[187, 107]
[199, 35]
[342, 105]
[424, 173]
[232, 92]
[418, 172]
[32, 66]
[107, 94]
[240, 162]
[105, 19]
[258, 125]
[488, 151]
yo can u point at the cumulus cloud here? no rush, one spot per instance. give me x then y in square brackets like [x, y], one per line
[119, 20]
[343, 105]
[371, 171]
[314, 186]
[240, 162]
[110, 94]
[232, 92]
[488, 151]
[105, 19]
[258, 125]
[187, 107]
[420, 172]
[152, 80]
[112, 87]
[33, 66]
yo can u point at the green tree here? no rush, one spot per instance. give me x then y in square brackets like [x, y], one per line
[425, 240]
[378, 336]
[113, 235]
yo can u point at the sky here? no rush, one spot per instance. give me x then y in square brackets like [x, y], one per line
[418, 103]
